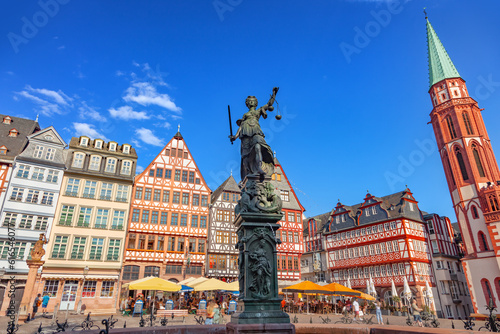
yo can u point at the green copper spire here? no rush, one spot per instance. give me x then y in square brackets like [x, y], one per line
[440, 65]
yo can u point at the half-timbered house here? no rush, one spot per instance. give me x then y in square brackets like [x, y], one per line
[290, 233]
[382, 238]
[167, 229]
[313, 264]
[222, 255]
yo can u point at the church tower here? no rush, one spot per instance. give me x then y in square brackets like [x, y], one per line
[471, 171]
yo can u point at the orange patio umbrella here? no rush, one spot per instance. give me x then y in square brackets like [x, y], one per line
[339, 289]
[308, 287]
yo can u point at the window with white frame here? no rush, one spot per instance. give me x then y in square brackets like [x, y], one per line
[78, 250]
[47, 198]
[110, 165]
[51, 152]
[67, 213]
[51, 287]
[84, 217]
[89, 289]
[90, 189]
[38, 174]
[112, 146]
[113, 250]
[285, 197]
[374, 210]
[52, 176]
[33, 196]
[41, 223]
[107, 288]
[106, 191]
[96, 249]
[101, 219]
[126, 149]
[23, 171]
[84, 141]
[59, 249]
[78, 159]
[26, 222]
[122, 193]
[126, 167]
[401, 268]
[38, 152]
[95, 162]
[118, 219]
[17, 194]
[10, 220]
[98, 144]
[395, 245]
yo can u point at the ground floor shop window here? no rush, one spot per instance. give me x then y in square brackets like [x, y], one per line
[89, 289]
[107, 288]
[51, 288]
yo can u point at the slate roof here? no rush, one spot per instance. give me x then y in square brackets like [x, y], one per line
[228, 185]
[75, 144]
[15, 145]
[388, 207]
[440, 65]
[321, 221]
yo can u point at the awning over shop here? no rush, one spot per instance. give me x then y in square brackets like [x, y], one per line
[90, 277]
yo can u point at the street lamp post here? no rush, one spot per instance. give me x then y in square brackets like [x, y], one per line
[79, 307]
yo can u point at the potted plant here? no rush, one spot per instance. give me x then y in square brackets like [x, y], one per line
[396, 301]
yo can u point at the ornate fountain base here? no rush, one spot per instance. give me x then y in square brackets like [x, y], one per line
[259, 306]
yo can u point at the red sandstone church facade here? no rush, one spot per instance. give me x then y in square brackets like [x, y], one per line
[471, 171]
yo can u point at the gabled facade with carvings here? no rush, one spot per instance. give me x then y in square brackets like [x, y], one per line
[86, 243]
[221, 252]
[290, 233]
[471, 171]
[383, 238]
[167, 227]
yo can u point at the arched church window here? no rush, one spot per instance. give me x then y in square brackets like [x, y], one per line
[487, 291]
[483, 244]
[475, 215]
[451, 127]
[447, 163]
[468, 126]
[461, 164]
[478, 160]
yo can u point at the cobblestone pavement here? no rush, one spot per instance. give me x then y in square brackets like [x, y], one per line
[75, 320]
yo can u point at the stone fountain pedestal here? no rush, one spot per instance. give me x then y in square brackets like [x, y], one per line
[259, 306]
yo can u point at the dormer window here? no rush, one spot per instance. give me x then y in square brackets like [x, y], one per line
[126, 149]
[98, 144]
[78, 160]
[3, 150]
[13, 133]
[95, 162]
[411, 206]
[50, 153]
[7, 120]
[126, 167]
[38, 153]
[84, 141]
[112, 147]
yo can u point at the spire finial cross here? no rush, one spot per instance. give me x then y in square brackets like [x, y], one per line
[425, 13]
[178, 128]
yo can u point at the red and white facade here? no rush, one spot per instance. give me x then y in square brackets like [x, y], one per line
[383, 238]
[167, 228]
[290, 232]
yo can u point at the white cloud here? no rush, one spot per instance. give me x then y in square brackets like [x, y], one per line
[127, 113]
[90, 112]
[85, 129]
[10, 73]
[165, 125]
[135, 143]
[148, 137]
[144, 93]
[59, 97]
[119, 73]
[139, 169]
[62, 47]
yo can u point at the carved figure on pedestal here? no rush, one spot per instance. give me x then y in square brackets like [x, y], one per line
[258, 197]
[240, 245]
[38, 252]
[261, 271]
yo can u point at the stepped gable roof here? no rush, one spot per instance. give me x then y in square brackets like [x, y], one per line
[393, 206]
[228, 185]
[15, 145]
[440, 65]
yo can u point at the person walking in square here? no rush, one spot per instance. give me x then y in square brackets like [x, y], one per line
[36, 304]
[378, 312]
[45, 302]
[355, 306]
[415, 311]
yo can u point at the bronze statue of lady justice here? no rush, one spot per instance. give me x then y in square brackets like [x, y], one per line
[256, 155]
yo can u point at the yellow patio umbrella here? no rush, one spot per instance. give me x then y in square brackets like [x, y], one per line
[366, 296]
[211, 285]
[186, 281]
[308, 287]
[152, 283]
[196, 281]
[339, 289]
[234, 286]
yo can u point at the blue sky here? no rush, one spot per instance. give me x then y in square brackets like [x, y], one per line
[355, 110]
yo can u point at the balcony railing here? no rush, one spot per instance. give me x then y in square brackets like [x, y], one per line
[112, 257]
[83, 224]
[121, 199]
[58, 255]
[117, 227]
[94, 256]
[71, 193]
[77, 256]
[16, 198]
[65, 222]
[86, 195]
[101, 226]
[105, 198]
